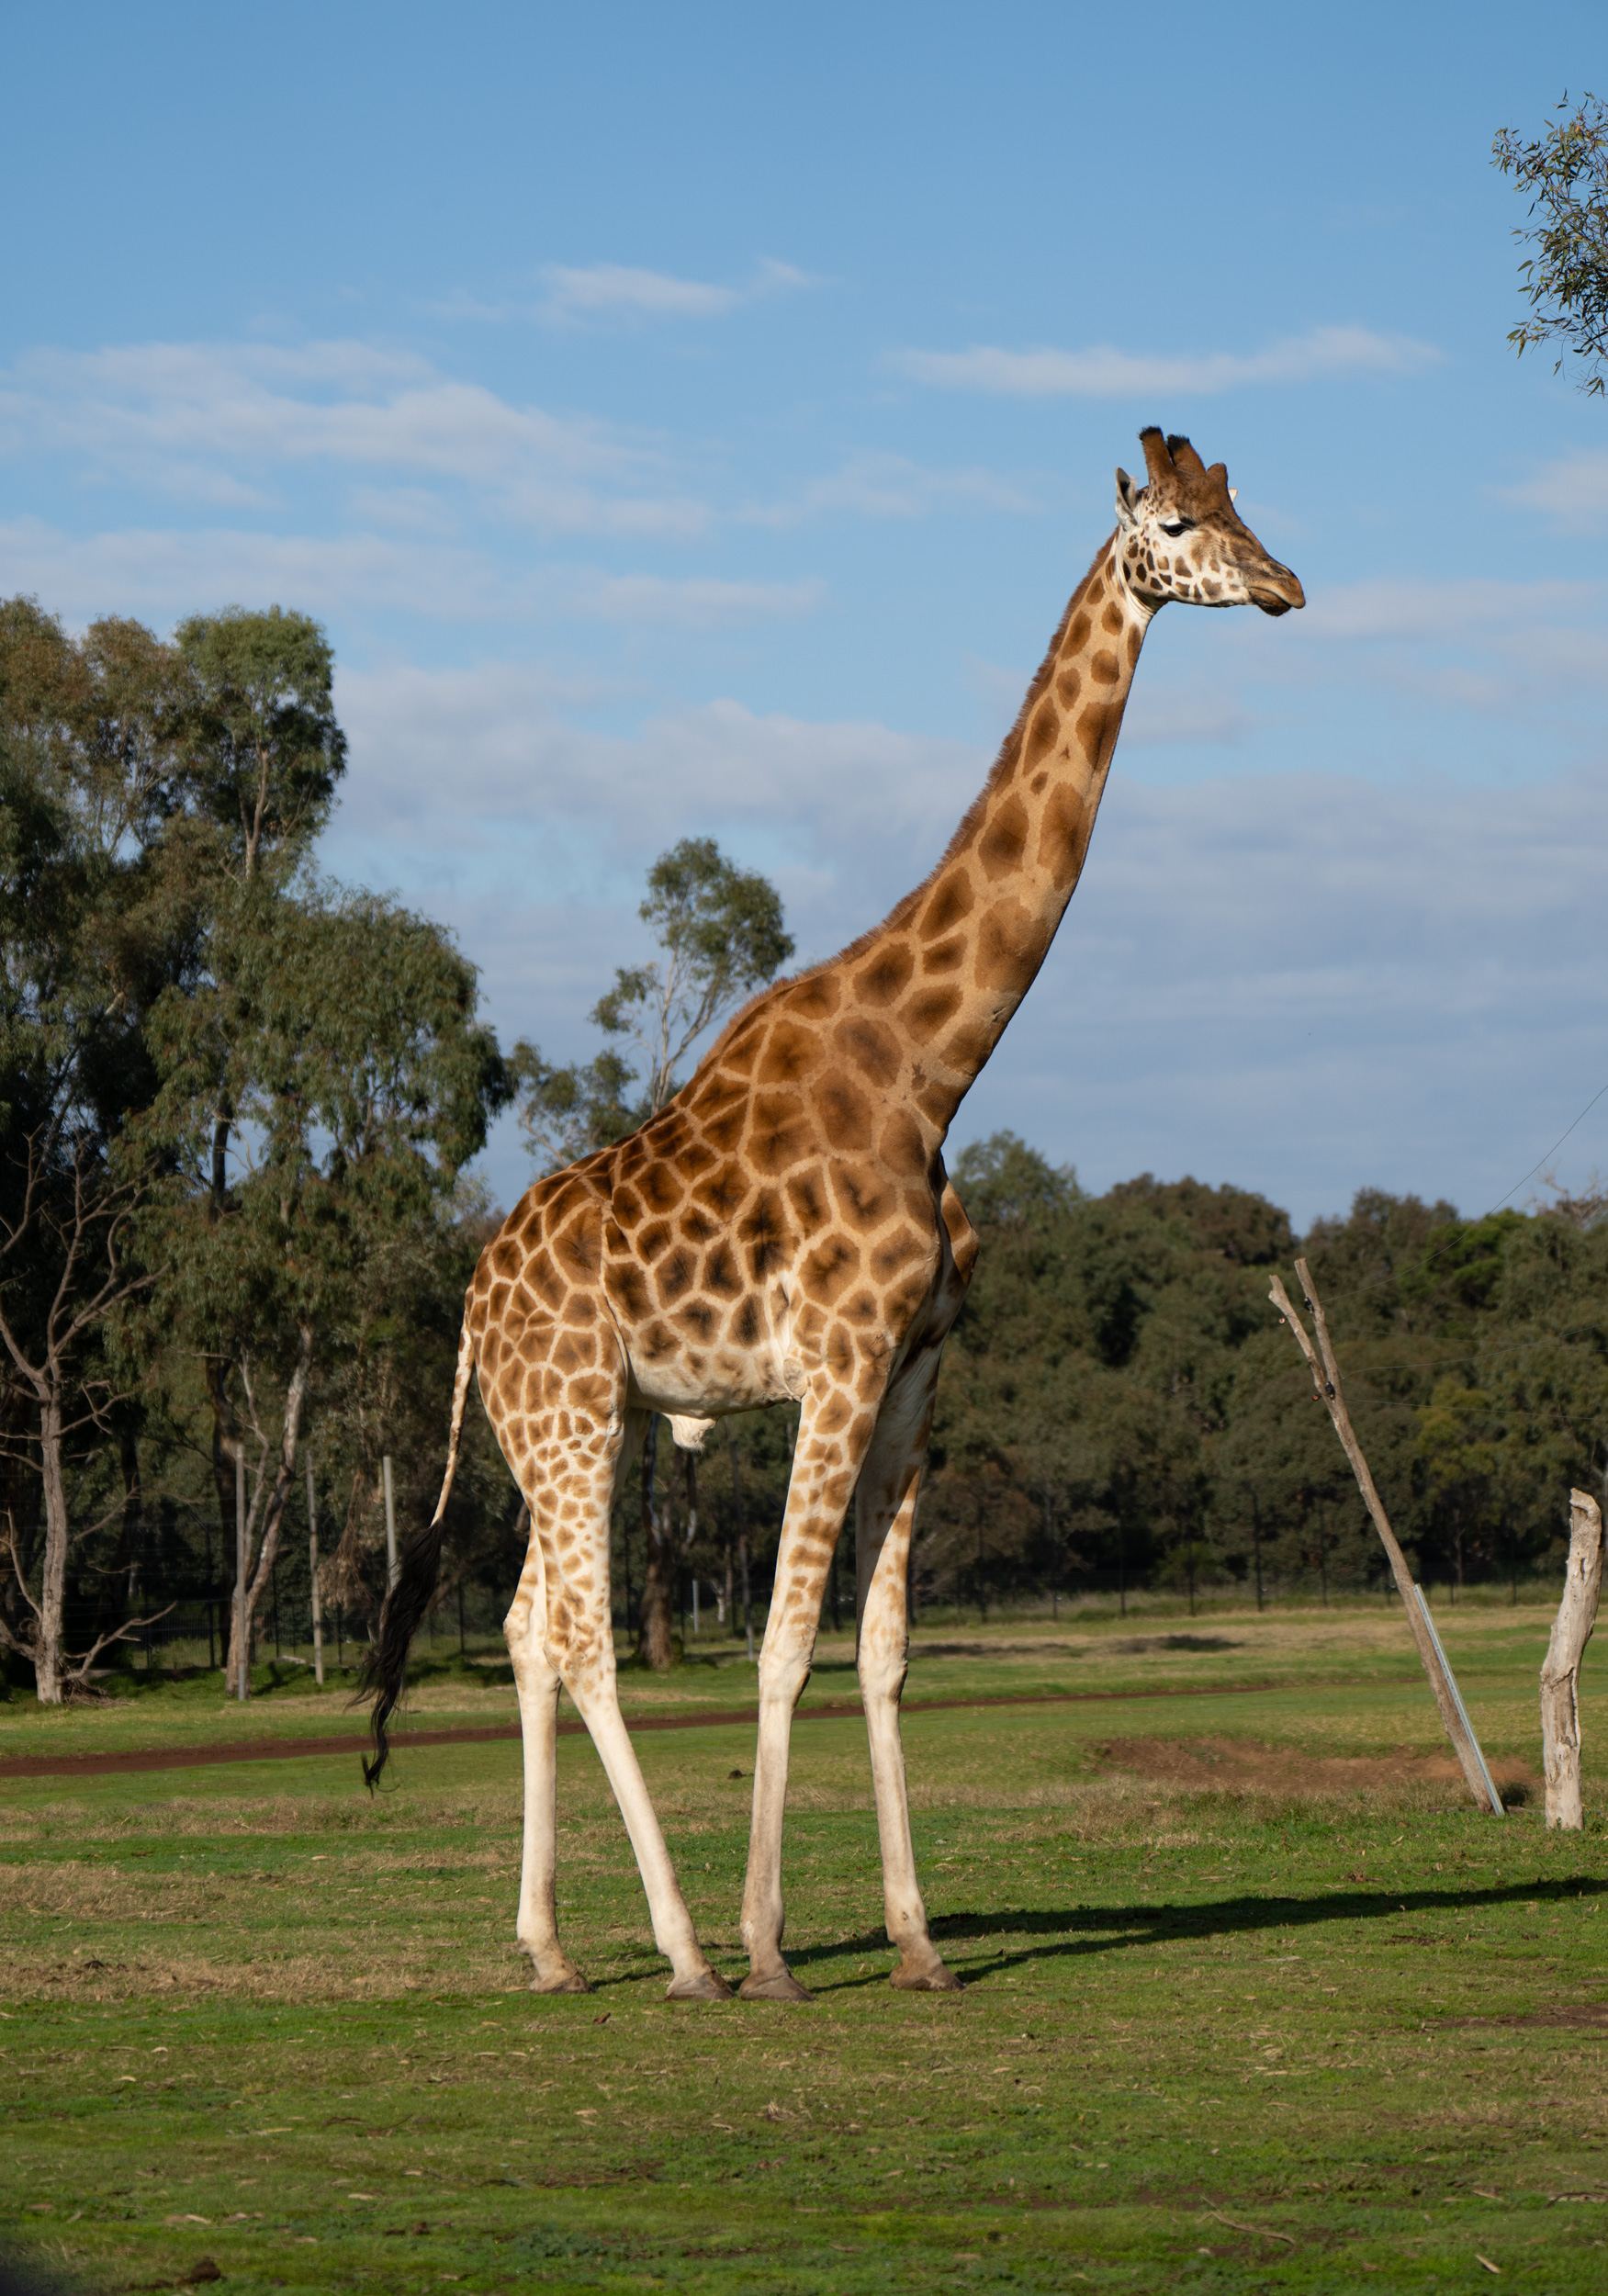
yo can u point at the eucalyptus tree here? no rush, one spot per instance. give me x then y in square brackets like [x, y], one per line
[344, 1036]
[94, 922]
[1565, 170]
[261, 755]
[720, 935]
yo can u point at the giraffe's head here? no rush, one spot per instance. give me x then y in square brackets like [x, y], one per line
[1180, 537]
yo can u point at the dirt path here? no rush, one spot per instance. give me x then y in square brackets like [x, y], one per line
[701, 1718]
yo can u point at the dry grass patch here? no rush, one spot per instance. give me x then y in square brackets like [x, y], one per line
[1245, 1765]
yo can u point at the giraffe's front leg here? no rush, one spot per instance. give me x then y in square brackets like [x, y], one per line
[885, 1508]
[825, 1461]
[536, 1928]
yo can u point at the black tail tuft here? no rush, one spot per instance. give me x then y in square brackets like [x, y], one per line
[385, 1670]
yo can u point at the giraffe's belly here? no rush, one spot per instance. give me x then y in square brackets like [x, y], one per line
[706, 1391]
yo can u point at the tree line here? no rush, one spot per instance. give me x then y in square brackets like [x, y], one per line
[239, 1108]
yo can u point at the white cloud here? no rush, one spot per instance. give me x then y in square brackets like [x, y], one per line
[578, 294]
[225, 418]
[1460, 608]
[160, 573]
[1104, 372]
[605, 288]
[889, 485]
[468, 758]
[1161, 715]
[1572, 490]
[694, 602]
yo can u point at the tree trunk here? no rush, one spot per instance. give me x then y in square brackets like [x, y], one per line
[654, 1644]
[50, 1628]
[225, 1435]
[1571, 1630]
[284, 1474]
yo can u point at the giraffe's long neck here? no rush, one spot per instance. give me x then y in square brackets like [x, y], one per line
[965, 950]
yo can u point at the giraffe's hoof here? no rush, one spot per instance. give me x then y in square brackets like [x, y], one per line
[707, 1985]
[926, 1976]
[781, 1986]
[566, 1980]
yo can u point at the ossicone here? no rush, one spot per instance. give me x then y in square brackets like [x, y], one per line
[1157, 461]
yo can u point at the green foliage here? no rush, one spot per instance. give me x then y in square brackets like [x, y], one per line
[257, 731]
[1566, 174]
[1119, 1404]
[566, 1113]
[234, 1109]
[721, 933]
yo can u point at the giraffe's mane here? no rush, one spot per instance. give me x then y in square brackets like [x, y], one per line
[1000, 770]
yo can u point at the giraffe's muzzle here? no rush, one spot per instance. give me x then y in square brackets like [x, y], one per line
[1276, 590]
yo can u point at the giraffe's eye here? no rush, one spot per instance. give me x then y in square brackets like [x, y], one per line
[1176, 526]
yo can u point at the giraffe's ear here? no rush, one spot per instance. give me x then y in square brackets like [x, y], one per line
[1128, 496]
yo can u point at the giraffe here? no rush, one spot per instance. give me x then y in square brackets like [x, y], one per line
[785, 1229]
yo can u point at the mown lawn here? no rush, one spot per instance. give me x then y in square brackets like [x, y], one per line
[1237, 2015]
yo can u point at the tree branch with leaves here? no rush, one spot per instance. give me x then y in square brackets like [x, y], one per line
[1566, 279]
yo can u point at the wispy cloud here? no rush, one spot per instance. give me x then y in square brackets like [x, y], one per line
[1104, 372]
[224, 420]
[1459, 608]
[607, 290]
[1573, 492]
[597, 294]
[161, 573]
[695, 601]
[888, 486]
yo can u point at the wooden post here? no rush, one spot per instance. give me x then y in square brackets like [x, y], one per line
[390, 1525]
[1571, 1630]
[312, 1556]
[1330, 1391]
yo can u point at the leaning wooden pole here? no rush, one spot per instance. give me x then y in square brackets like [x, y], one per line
[1330, 1391]
[1560, 1676]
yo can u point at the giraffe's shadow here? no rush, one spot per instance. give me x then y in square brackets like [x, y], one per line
[1076, 1932]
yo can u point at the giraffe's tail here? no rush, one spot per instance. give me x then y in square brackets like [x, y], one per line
[385, 1670]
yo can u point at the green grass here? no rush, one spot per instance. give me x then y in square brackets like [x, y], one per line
[1365, 2018]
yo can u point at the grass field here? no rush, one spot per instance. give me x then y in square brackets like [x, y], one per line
[1254, 1999]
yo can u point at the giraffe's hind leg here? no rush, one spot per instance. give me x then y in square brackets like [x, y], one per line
[569, 1482]
[536, 1929]
[885, 1509]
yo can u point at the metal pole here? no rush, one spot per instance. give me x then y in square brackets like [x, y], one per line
[243, 1661]
[390, 1525]
[312, 1557]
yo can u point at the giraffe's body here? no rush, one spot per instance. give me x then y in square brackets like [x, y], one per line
[784, 1229]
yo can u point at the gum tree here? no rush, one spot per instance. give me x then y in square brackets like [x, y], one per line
[95, 919]
[1565, 172]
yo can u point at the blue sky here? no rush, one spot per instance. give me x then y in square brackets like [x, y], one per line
[695, 420]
